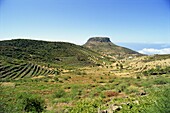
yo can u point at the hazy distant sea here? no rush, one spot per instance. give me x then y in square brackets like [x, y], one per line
[148, 48]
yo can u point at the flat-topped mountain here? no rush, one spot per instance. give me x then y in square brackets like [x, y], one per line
[99, 39]
[103, 45]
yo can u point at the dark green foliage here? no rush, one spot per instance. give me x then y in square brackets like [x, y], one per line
[33, 104]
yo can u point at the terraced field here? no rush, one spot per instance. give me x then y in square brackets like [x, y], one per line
[15, 70]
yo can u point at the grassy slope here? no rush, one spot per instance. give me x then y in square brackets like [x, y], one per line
[58, 53]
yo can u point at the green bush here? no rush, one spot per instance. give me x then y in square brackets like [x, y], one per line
[121, 87]
[56, 79]
[30, 103]
[33, 104]
[57, 72]
[59, 93]
[111, 80]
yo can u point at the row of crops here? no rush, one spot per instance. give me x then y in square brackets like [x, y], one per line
[15, 70]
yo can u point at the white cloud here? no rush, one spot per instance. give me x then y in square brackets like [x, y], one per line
[151, 51]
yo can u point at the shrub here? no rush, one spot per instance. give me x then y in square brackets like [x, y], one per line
[57, 72]
[60, 93]
[66, 77]
[56, 79]
[61, 81]
[31, 103]
[111, 80]
[121, 87]
[145, 73]
[102, 95]
[101, 81]
[138, 76]
[121, 66]
[94, 80]
[80, 73]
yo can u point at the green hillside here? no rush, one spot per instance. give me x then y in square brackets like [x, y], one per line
[52, 53]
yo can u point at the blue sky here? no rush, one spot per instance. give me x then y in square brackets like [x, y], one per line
[144, 21]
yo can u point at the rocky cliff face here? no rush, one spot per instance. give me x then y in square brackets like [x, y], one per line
[99, 39]
[94, 42]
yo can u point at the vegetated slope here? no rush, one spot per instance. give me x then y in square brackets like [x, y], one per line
[57, 53]
[103, 45]
[145, 63]
[14, 69]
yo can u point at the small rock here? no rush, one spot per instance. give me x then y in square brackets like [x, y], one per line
[115, 108]
[136, 102]
[142, 93]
